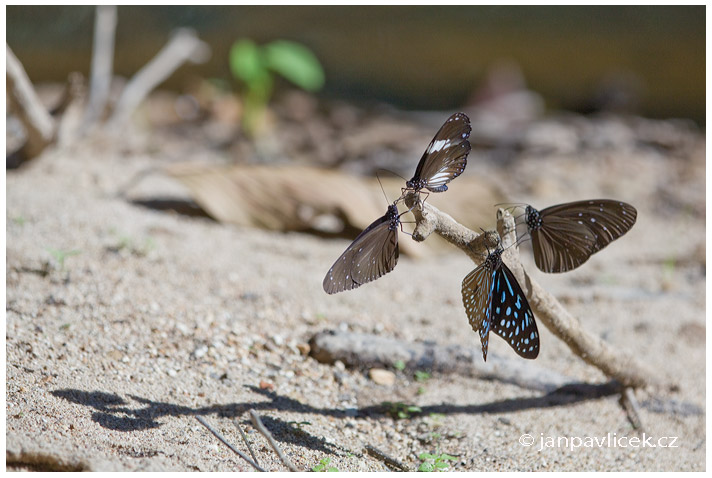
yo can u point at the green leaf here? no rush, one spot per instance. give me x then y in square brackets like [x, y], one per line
[425, 467]
[421, 376]
[445, 456]
[427, 456]
[246, 62]
[399, 365]
[441, 465]
[296, 63]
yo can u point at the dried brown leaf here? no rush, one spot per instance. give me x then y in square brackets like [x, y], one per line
[293, 198]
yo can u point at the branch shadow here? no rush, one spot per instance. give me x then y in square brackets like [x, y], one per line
[115, 413]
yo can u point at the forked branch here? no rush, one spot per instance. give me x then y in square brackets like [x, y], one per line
[616, 364]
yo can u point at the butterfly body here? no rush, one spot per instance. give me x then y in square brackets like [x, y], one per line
[371, 255]
[494, 301]
[566, 235]
[445, 157]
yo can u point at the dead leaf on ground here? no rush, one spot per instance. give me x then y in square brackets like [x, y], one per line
[300, 198]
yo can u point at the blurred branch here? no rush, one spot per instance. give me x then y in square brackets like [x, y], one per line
[615, 364]
[35, 118]
[183, 46]
[101, 63]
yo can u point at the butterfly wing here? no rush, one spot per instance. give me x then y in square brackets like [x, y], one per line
[570, 233]
[512, 318]
[607, 219]
[373, 254]
[477, 299]
[445, 157]
[561, 244]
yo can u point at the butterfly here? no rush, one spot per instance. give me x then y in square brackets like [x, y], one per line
[445, 157]
[566, 235]
[373, 254]
[494, 301]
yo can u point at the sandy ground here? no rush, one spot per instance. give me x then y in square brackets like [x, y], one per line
[155, 318]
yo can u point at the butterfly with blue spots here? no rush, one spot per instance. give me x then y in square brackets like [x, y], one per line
[494, 301]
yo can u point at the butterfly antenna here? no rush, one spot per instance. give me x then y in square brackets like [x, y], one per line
[383, 190]
[389, 171]
[511, 205]
[523, 239]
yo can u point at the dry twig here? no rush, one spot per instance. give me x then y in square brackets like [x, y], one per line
[101, 63]
[35, 118]
[632, 409]
[244, 438]
[389, 461]
[229, 445]
[262, 429]
[183, 46]
[615, 364]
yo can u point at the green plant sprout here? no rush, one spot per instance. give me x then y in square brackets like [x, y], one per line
[60, 255]
[399, 365]
[435, 461]
[421, 376]
[255, 67]
[323, 465]
[400, 410]
[127, 243]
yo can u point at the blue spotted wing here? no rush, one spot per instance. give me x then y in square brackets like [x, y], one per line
[566, 235]
[512, 318]
[373, 254]
[445, 157]
[494, 301]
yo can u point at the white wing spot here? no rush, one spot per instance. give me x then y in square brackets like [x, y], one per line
[438, 145]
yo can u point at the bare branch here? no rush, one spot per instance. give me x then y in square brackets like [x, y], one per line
[389, 461]
[616, 364]
[632, 409]
[430, 219]
[101, 63]
[229, 445]
[548, 311]
[257, 422]
[183, 46]
[38, 123]
[244, 438]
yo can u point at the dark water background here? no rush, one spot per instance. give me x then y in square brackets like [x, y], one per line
[413, 57]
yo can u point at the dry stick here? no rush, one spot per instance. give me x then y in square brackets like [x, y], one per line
[244, 438]
[222, 439]
[389, 461]
[101, 64]
[183, 46]
[262, 429]
[38, 123]
[632, 409]
[615, 364]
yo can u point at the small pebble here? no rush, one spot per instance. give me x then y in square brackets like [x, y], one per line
[382, 377]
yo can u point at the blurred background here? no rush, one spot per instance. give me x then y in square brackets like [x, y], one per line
[361, 89]
[647, 58]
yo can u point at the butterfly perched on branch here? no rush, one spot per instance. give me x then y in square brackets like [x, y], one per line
[566, 235]
[373, 254]
[445, 157]
[494, 301]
